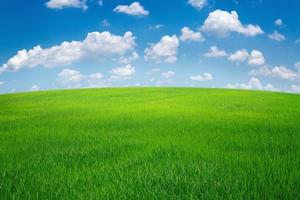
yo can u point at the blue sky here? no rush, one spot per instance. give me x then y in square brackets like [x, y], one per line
[56, 44]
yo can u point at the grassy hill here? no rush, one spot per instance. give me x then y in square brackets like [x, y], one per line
[150, 143]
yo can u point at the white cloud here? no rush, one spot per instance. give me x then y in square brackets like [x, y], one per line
[168, 74]
[297, 41]
[60, 4]
[105, 23]
[153, 71]
[69, 78]
[1, 82]
[189, 35]
[100, 3]
[127, 71]
[204, 77]
[97, 44]
[199, 4]
[95, 80]
[297, 65]
[215, 52]
[295, 88]
[253, 83]
[239, 56]
[222, 23]
[35, 88]
[277, 72]
[135, 9]
[129, 58]
[157, 26]
[165, 50]
[270, 87]
[277, 36]
[256, 58]
[278, 22]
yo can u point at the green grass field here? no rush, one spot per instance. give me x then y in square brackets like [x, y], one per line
[150, 143]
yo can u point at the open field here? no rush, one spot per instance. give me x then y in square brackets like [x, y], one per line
[150, 143]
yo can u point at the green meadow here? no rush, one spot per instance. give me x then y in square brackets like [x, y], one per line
[150, 143]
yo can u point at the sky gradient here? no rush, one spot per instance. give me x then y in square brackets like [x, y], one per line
[56, 44]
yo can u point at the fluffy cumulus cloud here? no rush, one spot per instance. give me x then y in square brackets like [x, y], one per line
[215, 52]
[202, 77]
[129, 58]
[277, 36]
[189, 35]
[281, 72]
[35, 88]
[1, 83]
[256, 58]
[278, 22]
[252, 84]
[163, 51]
[95, 80]
[97, 44]
[199, 4]
[124, 72]
[70, 78]
[135, 9]
[239, 56]
[60, 4]
[168, 74]
[222, 23]
[270, 87]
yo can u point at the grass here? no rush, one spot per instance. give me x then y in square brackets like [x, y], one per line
[150, 143]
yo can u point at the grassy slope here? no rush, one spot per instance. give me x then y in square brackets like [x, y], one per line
[150, 143]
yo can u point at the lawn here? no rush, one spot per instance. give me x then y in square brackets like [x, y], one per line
[150, 143]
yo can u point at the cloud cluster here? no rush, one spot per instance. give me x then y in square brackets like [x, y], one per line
[252, 84]
[199, 4]
[281, 72]
[215, 52]
[70, 78]
[168, 74]
[255, 57]
[277, 36]
[135, 9]
[163, 51]
[97, 44]
[202, 77]
[60, 4]
[125, 71]
[189, 35]
[222, 23]
[239, 56]
[95, 80]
